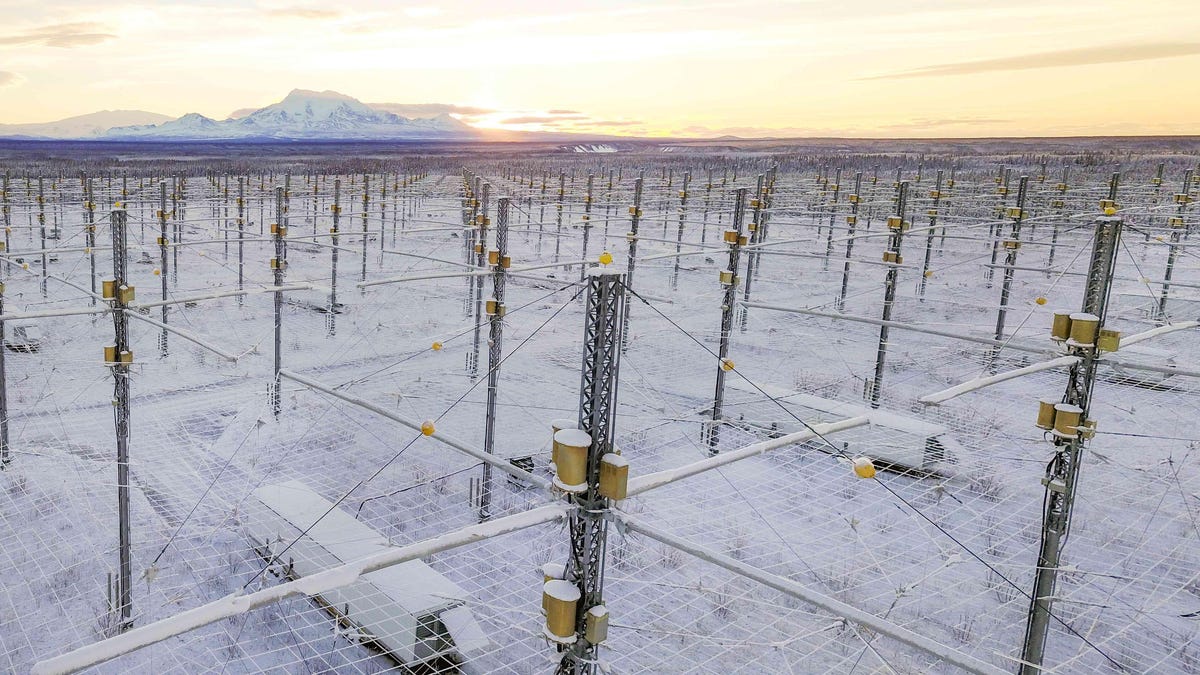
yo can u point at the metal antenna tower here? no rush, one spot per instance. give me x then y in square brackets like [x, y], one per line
[498, 257]
[597, 415]
[729, 279]
[897, 224]
[1062, 473]
[120, 360]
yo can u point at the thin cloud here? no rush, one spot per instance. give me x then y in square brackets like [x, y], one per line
[304, 13]
[8, 78]
[1083, 56]
[927, 123]
[617, 123]
[563, 112]
[65, 35]
[532, 119]
[427, 109]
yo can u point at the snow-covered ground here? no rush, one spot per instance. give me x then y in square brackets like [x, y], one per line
[933, 554]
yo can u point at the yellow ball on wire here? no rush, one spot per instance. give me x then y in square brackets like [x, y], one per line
[606, 258]
[437, 346]
[864, 467]
[1040, 300]
[427, 427]
[727, 364]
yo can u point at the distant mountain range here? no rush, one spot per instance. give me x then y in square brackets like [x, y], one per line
[301, 115]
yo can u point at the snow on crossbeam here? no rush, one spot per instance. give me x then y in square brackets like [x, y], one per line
[981, 382]
[640, 484]
[1060, 362]
[335, 577]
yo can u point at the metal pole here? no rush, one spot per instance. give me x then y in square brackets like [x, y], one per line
[477, 286]
[837, 187]
[4, 451]
[562, 191]
[729, 279]
[1012, 245]
[587, 222]
[366, 201]
[90, 234]
[994, 227]
[163, 244]
[1062, 473]
[936, 194]
[7, 210]
[597, 416]
[897, 225]
[278, 263]
[122, 358]
[1057, 204]
[42, 228]
[755, 237]
[1176, 223]
[683, 197]
[241, 225]
[852, 223]
[635, 219]
[498, 257]
[331, 316]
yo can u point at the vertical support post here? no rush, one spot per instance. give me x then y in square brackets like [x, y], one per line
[1012, 245]
[1062, 473]
[1057, 205]
[936, 195]
[707, 203]
[1157, 183]
[1176, 224]
[729, 279]
[874, 194]
[683, 197]
[541, 214]
[163, 245]
[562, 192]
[278, 264]
[498, 257]
[41, 199]
[6, 209]
[89, 229]
[588, 522]
[994, 227]
[177, 226]
[122, 359]
[366, 202]
[477, 281]
[5, 458]
[587, 222]
[755, 237]
[833, 204]
[241, 226]
[336, 208]
[892, 256]
[852, 225]
[635, 219]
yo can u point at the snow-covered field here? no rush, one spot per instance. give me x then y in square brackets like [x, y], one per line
[933, 554]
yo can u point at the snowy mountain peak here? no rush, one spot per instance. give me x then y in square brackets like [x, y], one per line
[305, 114]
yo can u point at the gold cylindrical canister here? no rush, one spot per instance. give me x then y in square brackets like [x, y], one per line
[1084, 327]
[1045, 416]
[561, 599]
[1066, 419]
[573, 447]
[1060, 328]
